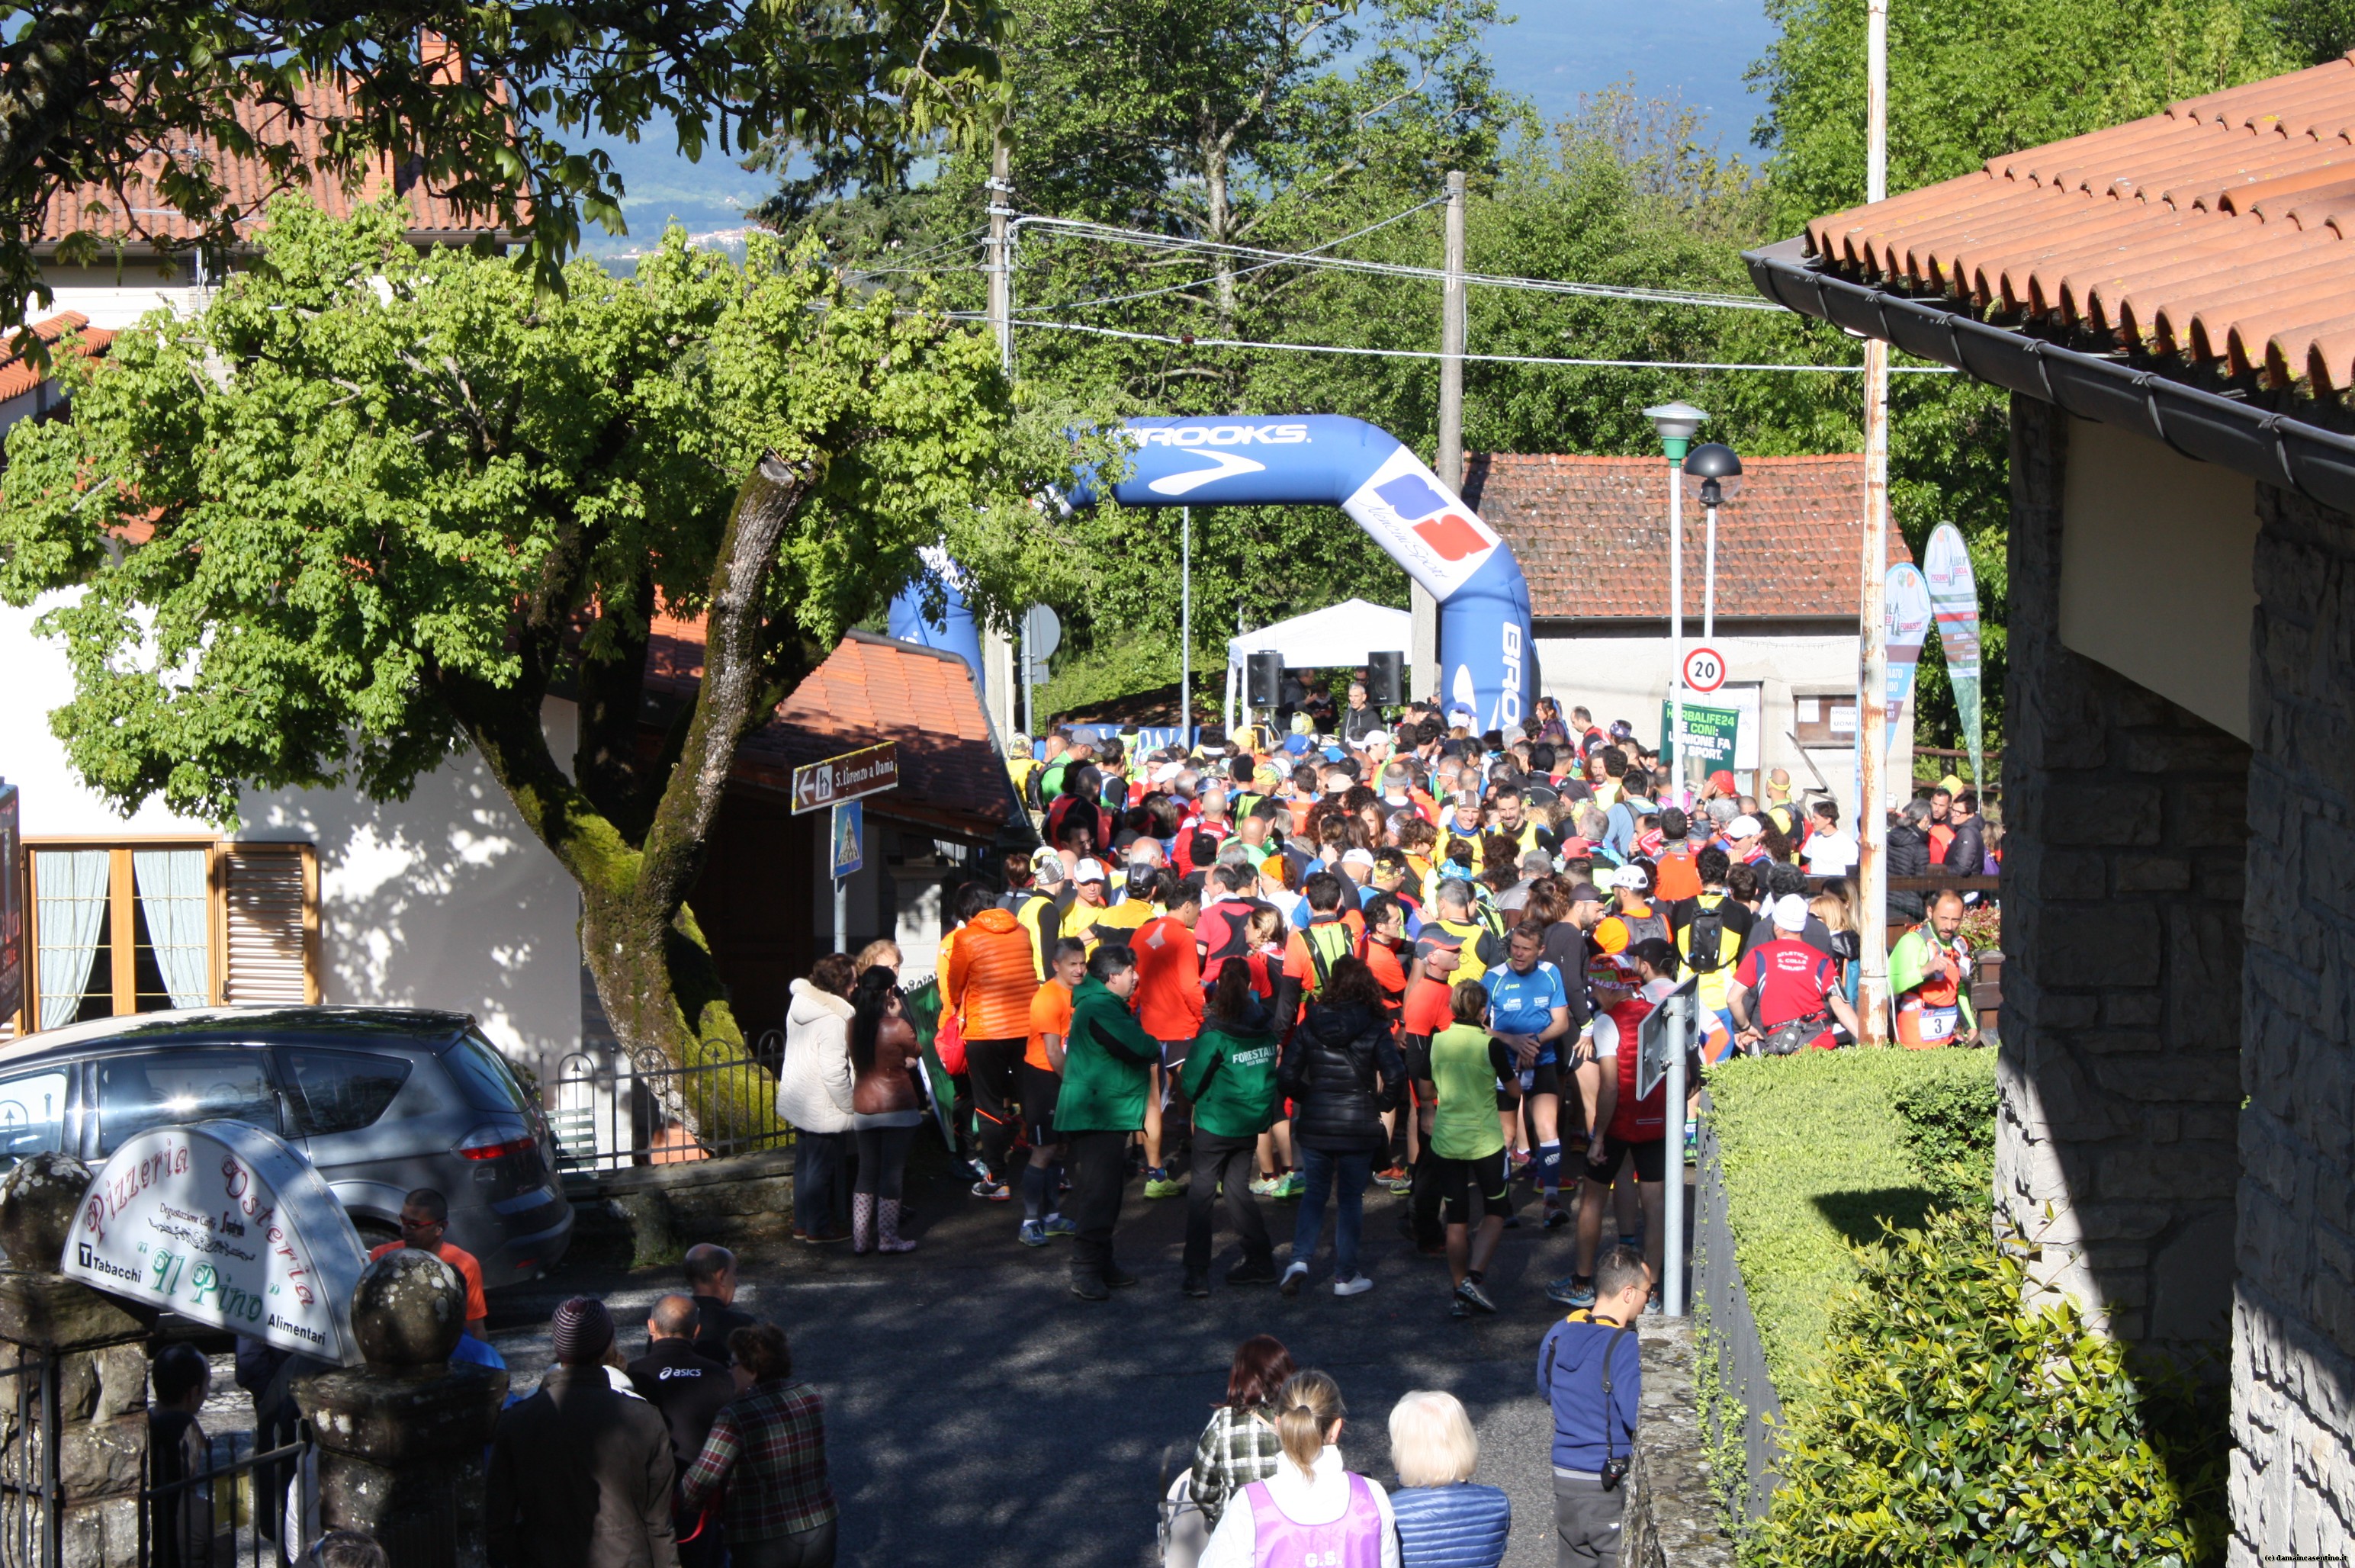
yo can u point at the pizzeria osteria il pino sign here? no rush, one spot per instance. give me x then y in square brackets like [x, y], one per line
[223, 1224]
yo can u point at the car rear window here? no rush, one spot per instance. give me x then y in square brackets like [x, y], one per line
[339, 1091]
[482, 1075]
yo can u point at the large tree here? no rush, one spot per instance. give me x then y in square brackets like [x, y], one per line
[373, 507]
[135, 103]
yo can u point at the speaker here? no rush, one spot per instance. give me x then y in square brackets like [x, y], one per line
[1264, 680]
[1386, 678]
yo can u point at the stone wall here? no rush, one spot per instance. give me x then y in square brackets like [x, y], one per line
[1673, 1520]
[2126, 823]
[2294, 1310]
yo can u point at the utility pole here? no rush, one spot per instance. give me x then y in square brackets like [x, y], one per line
[1001, 254]
[1450, 466]
[1186, 626]
[1873, 698]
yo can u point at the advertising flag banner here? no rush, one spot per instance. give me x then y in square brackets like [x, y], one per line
[1908, 601]
[1955, 601]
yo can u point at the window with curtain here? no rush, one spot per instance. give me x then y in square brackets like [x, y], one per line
[174, 950]
[71, 905]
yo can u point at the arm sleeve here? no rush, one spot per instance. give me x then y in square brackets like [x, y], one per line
[1200, 1062]
[1606, 1036]
[834, 1063]
[1209, 1483]
[1500, 1057]
[1905, 965]
[1118, 1031]
[709, 1472]
[661, 1470]
[1627, 1388]
[953, 982]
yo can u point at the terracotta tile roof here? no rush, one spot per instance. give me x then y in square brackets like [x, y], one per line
[871, 689]
[2207, 233]
[1592, 534]
[139, 215]
[19, 374]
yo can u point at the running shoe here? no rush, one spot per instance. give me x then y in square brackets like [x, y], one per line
[1401, 1186]
[1196, 1282]
[1459, 1308]
[1556, 1216]
[1266, 1186]
[1251, 1273]
[1090, 1287]
[1057, 1225]
[1356, 1285]
[1572, 1292]
[1390, 1173]
[1033, 1234]
[1521, 1164]
[1294, 1184]
[1158, 1185]
[1118, 1277]
[1294, 1276]
[995, 1191]
[1469, 1292]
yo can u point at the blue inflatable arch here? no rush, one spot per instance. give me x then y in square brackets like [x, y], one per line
[1486, 656]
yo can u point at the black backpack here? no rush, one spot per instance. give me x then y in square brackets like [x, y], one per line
[1707, 939]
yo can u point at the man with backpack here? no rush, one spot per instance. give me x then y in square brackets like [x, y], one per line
[1033, 883]
[1709, 929]
[1590, 1372]
[1794, 983]
[1313, 950]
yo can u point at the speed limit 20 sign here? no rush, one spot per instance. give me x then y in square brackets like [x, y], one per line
[1704, 669]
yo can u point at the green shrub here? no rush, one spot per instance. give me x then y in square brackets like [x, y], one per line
[1948, 1424]
[1816, 1156]
[1949, 1116]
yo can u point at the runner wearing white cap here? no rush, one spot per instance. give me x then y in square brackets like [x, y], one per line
[1792, 981]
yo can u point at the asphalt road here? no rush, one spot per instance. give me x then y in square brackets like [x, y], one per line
[981, 1415]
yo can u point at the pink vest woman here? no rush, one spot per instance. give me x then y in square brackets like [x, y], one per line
[1312, 1512]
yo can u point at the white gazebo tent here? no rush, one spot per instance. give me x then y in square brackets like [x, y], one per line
[1346, 633]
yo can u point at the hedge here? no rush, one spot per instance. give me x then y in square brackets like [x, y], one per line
[1819, 1148]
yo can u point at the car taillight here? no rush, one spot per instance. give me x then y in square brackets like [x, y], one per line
[491, 1143]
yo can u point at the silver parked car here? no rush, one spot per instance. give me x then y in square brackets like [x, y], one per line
[383, 1100]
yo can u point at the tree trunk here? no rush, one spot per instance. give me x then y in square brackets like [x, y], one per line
[1223, 265]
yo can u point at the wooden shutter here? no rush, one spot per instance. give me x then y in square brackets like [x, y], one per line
[270, 924]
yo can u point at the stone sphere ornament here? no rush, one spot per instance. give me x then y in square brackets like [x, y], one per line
[407, 1310]
[36, 1210]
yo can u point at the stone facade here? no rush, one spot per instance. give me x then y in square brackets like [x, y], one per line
[2294, 1308]
[2126, 825]
[94, 1351]
[1673, 1520]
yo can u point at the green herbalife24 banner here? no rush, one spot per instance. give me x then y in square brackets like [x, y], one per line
[1710, 733]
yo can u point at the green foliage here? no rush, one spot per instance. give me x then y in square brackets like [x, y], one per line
[1816, 1155]
[1950, 1421]
[1949, 1118]
[92, 89]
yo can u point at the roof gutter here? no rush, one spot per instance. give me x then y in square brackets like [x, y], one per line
[2273, 448]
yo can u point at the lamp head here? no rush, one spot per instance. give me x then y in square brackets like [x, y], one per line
[1676, 423]
[1718, 470]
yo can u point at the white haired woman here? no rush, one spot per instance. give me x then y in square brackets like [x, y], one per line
[1313, 1509]
[1443, 1520]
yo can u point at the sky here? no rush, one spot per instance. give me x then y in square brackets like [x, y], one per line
[1697, 51]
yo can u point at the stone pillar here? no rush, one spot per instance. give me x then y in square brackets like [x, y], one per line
[2126, 833]
[82, 1352]
[401, 1439]
[2292, 1485]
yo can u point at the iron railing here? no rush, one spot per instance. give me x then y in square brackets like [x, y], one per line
[235, 1511]
[32, 1520]
[609, 1111]
[1741, 1409]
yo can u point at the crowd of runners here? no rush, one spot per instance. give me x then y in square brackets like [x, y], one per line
[1348, 948]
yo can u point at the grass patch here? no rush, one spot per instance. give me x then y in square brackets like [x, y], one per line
[1818, 1151]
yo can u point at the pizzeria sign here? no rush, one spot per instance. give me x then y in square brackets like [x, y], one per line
[818, 786]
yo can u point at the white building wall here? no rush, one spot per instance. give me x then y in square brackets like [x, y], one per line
[1628, 678]
[445, 900]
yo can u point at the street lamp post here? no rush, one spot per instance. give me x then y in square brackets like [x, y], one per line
[1676, 423]
[1720, 473]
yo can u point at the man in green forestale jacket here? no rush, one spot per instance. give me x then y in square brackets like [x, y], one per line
[1229, 1075]
[1105, 1079]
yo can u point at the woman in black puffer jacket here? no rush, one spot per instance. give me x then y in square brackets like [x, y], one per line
[1342, 1070]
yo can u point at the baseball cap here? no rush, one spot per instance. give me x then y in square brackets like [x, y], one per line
[1722, 781]
[1358, 858]
[1434, 940]
[1537, 860]
[1047, 865]
[1790, 912]
[1744, 827]
[1577, 848]
[1376, 738]
[1585, 893]
[1303, 725]
[1088, 871]
[1622, 730]
[1630, 877]
[1167, 772]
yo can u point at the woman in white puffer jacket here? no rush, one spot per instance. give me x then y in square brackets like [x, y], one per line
[814, 1094]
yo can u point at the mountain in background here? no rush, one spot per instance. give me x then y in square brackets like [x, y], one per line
[1696, 51]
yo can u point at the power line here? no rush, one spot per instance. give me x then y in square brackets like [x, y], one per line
[1084, 228]
[1283, 257]
[1192, 342]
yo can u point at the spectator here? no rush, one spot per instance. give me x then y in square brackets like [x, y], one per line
[993, 973]
[180, 1521]
[1590, 1372]
[424, 1218]
[886, 1108]
[1311, 1508]
[1909, 855]
[814, 1090]
[1443, 1520]
[689, 1391]
[1241, 1444]
[1341, 1070]
[882, 951]
[580, 1473]
[766, 1455]
[711, 1271]
[1230, 1077]
[1966, 853]
[1100, 1109]
[1830, 852]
